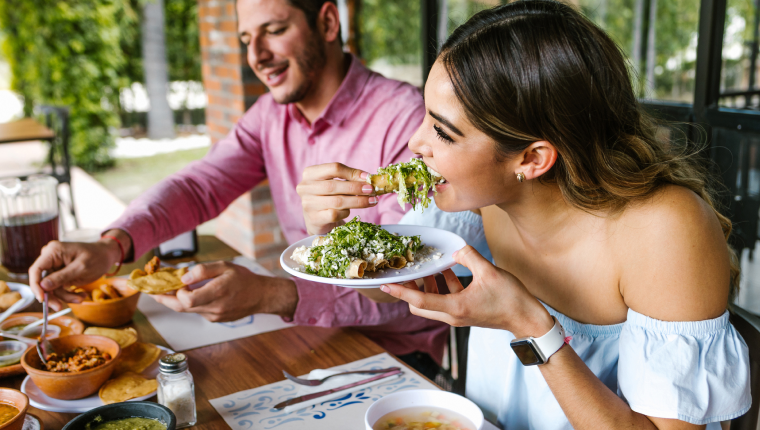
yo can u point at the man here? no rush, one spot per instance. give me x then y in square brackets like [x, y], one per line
[323, 107]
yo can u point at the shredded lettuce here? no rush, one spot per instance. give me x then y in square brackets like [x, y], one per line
[357, 239]
[416, 190]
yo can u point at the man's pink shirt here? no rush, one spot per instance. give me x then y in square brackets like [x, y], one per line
[366, 125]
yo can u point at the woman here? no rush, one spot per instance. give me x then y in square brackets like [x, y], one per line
[596, 227]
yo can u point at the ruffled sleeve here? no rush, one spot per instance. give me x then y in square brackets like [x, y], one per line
[694, 371]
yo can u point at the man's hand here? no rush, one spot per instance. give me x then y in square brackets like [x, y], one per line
[71, 263]
[329, 191]
[233, 292]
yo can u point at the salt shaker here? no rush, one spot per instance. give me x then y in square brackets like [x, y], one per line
[176, 389]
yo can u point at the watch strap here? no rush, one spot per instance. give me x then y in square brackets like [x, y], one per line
[552, 341]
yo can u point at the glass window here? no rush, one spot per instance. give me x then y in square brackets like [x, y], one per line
[389, 38]
[457, 12]
[660, 39]
[739, 74]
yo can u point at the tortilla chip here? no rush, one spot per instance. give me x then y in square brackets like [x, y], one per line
[8, 299]
[138, 357]
[126, 386]
[124, 337]
[162, 281]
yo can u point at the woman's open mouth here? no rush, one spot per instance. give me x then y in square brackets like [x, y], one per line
[439, 179]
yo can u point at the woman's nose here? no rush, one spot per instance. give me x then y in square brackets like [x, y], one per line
[417, 144]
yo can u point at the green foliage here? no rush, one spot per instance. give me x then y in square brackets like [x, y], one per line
[182, 40]
[67, 53]
[390, 30]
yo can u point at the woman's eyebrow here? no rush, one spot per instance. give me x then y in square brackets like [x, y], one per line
[445, 122]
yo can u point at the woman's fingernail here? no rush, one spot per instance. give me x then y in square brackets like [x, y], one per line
[367, 189]
[454, 254]
[385, 289]
[373, 200]
[187, 279]
[46, 284]
[364, 175]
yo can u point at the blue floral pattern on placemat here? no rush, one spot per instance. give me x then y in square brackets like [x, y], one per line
[252, 409]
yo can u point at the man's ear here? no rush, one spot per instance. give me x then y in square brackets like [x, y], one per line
[329, 22]
[537, 159]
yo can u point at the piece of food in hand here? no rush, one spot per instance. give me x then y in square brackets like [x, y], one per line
[8, 299]
[123, 336]
[156, 279]
[4, 288]
[412, 182]
[354, 248]
[126, 386]
[77, 360]
[152, 266]
[137, 357]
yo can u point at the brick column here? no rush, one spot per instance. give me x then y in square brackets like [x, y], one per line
[249, 225]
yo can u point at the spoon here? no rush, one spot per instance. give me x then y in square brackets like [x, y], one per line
[52, 317]
[19, 338]
[44, 347]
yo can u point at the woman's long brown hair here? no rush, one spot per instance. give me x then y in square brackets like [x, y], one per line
[539, 70]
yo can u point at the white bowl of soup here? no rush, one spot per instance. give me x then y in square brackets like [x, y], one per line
[423, 409]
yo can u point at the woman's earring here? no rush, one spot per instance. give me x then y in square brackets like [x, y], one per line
[520, 177]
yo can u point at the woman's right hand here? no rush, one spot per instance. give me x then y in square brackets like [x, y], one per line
[328, 193]
[71, 263]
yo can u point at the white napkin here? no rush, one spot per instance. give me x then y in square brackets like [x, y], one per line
[331, 383]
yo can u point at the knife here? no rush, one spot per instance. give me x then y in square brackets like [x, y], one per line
[308, 397]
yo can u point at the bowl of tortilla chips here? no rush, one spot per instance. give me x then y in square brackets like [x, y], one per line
[107, 302]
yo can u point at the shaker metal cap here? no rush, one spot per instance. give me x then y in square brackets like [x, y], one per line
[173, 363]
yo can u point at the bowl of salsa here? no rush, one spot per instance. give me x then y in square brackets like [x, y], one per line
[125, 416]
[13, 405]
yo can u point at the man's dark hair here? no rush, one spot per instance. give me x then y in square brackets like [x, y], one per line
[311, 9]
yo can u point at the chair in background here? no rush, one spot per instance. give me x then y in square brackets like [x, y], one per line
[57, 135]
[748, 325]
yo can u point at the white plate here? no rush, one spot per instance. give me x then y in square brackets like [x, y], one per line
[27, 296]
[443, 241]
[40, 400]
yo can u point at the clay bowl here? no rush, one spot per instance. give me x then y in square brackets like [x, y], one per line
[109, 313]
[18, 400]
[72, 385]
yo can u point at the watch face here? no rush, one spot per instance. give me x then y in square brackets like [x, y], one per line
[525, 352]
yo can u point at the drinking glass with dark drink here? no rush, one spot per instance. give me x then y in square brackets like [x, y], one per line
[28, 220]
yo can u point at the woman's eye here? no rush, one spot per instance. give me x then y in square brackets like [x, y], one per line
[442, 134]
[278, 31]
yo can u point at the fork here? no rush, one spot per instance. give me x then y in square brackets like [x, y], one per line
[315, 382]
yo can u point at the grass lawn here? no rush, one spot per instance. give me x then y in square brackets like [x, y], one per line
[130, 177]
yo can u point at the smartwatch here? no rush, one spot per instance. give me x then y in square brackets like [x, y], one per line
[537, 350]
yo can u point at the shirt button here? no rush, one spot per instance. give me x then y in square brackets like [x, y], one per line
[312, 321]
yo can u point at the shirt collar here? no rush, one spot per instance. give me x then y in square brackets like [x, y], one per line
[348, 92]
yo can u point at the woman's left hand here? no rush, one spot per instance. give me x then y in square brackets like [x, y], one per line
[494, 299]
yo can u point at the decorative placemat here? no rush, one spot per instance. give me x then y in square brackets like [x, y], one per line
[175, 327]
[252, 409]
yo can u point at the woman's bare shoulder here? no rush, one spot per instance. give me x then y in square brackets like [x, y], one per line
[673, 259]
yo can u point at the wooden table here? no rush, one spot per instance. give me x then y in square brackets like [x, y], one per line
[241, 364]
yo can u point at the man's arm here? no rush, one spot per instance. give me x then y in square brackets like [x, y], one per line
[197, 193]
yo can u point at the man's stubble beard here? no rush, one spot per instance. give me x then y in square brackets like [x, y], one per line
[311, 61]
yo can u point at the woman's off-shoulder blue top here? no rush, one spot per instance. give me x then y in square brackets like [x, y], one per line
[695, 371]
